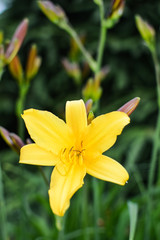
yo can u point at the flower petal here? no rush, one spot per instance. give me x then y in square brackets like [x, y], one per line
[102, 133]
[63, 187]
[47, 130]
[76, 116]
[107, 169]
[35, 155]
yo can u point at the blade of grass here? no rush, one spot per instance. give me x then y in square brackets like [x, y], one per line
[133, 214]
[3, 229]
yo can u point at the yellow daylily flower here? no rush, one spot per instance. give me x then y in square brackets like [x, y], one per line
[74, 148]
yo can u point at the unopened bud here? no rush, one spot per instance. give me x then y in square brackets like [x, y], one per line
[13, 141]
[88, 105]
[102, 73]
[1, 37]
[33, 63]
[90, 117]
[72, 69]
[16, 69]
[16, 41]
[130, 106]
[53, 12]
[116, 12]
[1, 52]
[74, 52]
[92, 90]
[18, 143]
[28, 141]
[5, 135]
[147, 32]
[98, 2]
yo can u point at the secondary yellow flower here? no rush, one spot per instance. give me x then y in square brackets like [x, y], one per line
[74, 148]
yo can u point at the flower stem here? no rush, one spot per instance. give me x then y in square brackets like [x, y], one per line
[3, 231]
[157, 131]
[84, 212]
[60, 224]
[96, 206]
[87, 56]
[43, 175]
[155, 149]
[102, 40]
[23, 89]
[157, 72]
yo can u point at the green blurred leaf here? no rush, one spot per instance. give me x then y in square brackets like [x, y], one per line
[133, 214]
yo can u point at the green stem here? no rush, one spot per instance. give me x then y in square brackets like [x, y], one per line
[102, 40]
[151, 178]
[157, 72]
[157, 131]
[154, 153]
[60, 224]
[96, 206]
[84, 212]
[155, 149]
[43, 175]
[3, 231]
[88, 57]
[23, 89]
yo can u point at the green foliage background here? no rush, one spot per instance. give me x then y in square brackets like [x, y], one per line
[28, 214]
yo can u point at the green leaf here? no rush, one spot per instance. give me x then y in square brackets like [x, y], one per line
[133, 214]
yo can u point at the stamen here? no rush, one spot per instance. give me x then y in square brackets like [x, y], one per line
[70, 156]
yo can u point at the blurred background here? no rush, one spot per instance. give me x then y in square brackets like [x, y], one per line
[131, 74]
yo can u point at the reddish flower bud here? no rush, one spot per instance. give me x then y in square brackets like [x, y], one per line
[130, 106]
[16, 140]
[13, 141]
[16, 41]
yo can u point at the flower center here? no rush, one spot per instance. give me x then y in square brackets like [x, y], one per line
[68, 157]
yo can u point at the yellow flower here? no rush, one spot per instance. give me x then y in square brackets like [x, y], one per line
[74, 148]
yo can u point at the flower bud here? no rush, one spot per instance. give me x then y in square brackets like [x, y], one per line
[90, 117]
[16, 41]
[72, 69]
[33, 63]
[92, 90]
[13, 141]
[116, 12]
[53, 12]
[1, 60]
[5, 135]
[88, 105]
[102, 73]
[1, 37]
[17, 141]
[147, 32]
[130, 106]
[15, 67]
[74, 52]
[98, 2]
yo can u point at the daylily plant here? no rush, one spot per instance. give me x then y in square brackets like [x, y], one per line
[74, 148]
